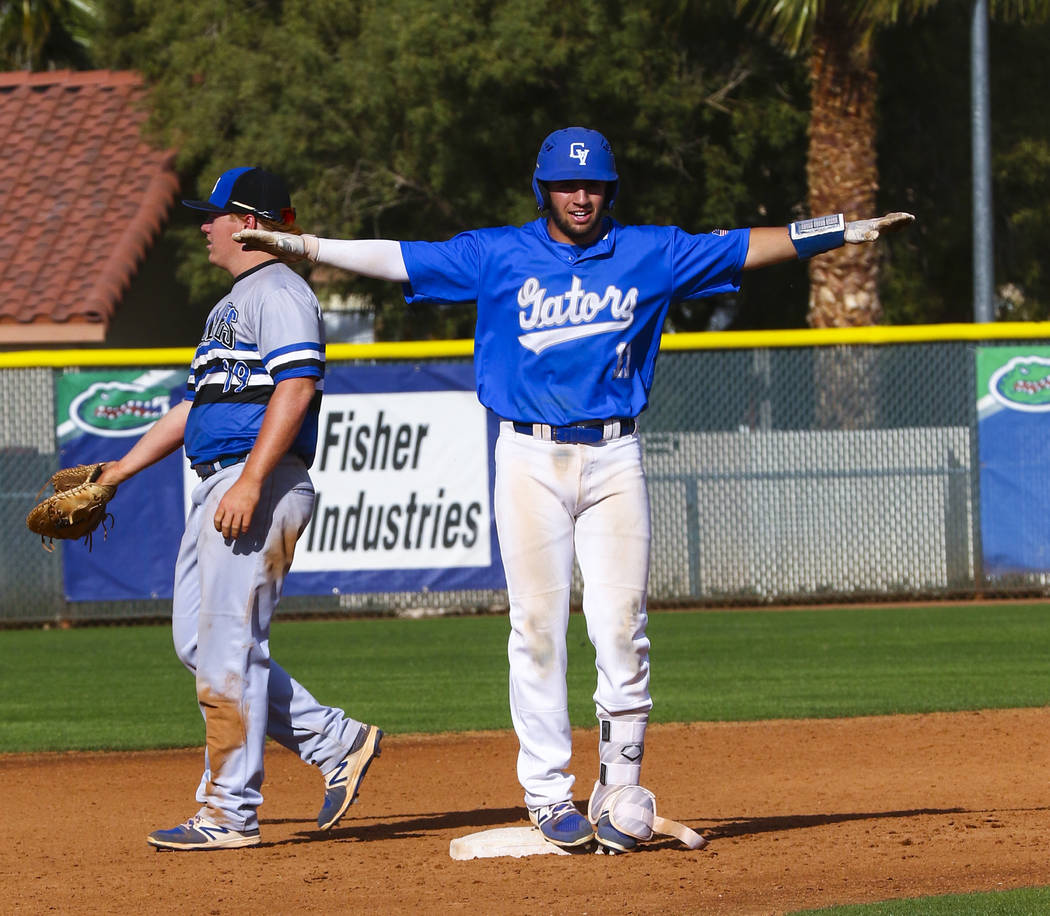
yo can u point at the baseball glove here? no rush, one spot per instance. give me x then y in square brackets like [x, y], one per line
[76, 509]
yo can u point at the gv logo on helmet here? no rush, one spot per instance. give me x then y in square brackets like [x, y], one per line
[579, 152]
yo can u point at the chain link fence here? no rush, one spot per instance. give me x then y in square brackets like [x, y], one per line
[30, 578]
[796, 474]
[814, 474]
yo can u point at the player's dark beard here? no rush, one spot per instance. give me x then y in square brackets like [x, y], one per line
[574, 231]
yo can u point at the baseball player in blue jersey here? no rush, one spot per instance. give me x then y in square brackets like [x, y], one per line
[249, 427]
[569, 314]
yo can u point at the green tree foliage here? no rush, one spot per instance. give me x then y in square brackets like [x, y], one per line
[417, 119]
[841, 39]
[420, 118]
[46, 34]
[924, 156]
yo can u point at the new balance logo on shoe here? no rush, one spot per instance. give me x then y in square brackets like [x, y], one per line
[211, 831]
[337, 777]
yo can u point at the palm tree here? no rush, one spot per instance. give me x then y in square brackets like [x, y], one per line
[842, 174]
[43, 34]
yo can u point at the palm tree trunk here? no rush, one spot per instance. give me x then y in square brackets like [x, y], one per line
[842, 174]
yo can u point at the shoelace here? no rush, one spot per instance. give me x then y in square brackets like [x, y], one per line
[559, 811]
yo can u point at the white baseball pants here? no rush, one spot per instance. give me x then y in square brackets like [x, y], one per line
[554, 502]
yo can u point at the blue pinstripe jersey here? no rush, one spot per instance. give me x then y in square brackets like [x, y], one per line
[566, 333]
[268, 328]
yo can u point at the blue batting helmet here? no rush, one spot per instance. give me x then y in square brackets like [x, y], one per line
[575, 152]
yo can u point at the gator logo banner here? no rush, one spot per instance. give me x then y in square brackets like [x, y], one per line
[115, 405]
[1013, 429]
[1022, 384]
[98, 416]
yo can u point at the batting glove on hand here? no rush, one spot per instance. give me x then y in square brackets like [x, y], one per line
[867, 230]
[285, 245]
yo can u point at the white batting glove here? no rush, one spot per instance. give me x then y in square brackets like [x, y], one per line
[285, 245]
[867, 230]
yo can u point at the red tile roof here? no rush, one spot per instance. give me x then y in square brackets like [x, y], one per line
[82, 196]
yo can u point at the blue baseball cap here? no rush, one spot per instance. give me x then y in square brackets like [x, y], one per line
[248, 189]
[575, 152]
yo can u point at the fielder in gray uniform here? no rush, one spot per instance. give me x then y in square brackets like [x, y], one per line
[249, 427]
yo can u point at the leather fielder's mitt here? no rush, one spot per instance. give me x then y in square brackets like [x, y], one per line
[76, 509]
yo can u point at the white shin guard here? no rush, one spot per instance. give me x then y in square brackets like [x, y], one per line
[621, 744]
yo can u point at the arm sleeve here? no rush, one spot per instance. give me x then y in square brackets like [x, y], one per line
[379, 258]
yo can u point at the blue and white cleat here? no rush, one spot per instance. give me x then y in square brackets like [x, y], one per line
[342, 783]
[200, 833]
[611, 838]
[562, 824]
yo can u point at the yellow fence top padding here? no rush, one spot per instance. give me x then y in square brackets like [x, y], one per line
[836, 337]
[444, 349]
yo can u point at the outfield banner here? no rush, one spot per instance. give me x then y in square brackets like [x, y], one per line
[403, 473]
[1013, 410]
[404, 476]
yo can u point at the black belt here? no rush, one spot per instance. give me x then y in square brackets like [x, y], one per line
[207, 468]
[589, 432]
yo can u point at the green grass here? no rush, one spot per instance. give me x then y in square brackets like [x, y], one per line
[1022, 902]
[121, 687]
[737, 666]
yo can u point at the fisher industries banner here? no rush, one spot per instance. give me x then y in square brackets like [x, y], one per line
[404, 477]
[1013, 408]
[403, 474]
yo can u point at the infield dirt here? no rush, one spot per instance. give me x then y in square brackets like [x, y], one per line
[799, 814]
